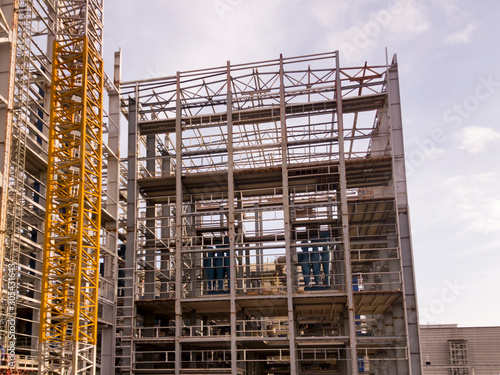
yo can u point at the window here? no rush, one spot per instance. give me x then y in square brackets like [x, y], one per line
[459, 357]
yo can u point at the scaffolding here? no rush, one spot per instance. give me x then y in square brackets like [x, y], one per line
[267, 222]
[27, 32]
[20, 114]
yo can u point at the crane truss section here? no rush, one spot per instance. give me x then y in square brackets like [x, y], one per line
[68, 323]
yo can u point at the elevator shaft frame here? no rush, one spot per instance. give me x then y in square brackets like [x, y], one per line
[20, 118]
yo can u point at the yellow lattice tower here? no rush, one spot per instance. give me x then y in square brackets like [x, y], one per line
[68, 322]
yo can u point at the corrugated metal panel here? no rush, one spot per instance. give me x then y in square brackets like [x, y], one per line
[483, 344]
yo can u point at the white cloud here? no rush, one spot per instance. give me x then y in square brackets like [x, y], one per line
[471, 202]
[331, 13]
[482, 178]
[475, 139]
[450, 6]
[410, 17]
[455, 13]
[462, 36]
[485, 225]
[433, 152]
[398, 20]
[453, 180]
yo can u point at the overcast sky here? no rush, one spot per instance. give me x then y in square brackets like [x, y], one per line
[449, 64]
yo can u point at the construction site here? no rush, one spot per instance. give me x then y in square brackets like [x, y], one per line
[256, 224]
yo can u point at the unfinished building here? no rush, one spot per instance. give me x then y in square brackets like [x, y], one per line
[267, 223]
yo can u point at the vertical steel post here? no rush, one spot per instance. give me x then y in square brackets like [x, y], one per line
[230, 221]
[150, 224]
[287, 225]
[131, 250]
[108, 340]
[403, 218]
[178, 227]
[345, 221]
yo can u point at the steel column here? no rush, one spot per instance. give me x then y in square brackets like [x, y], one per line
[403, 217]
[230, 221]
[131, 246]
[108, 341]
[178, 228]
[287, 225]
[345, 222]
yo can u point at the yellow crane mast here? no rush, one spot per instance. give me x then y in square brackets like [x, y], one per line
[68, 321]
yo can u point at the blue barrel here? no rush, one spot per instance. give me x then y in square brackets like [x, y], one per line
[316, 265]
[325, 257]
[363, 364]
[226, 264]
[305, 262]
[208, 264]
[355, 284]
[222, 265]
[219, 269]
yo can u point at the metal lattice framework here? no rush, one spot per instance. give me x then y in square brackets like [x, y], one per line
[68, 323]
[256, 98]
[238, 178]
[20, 118]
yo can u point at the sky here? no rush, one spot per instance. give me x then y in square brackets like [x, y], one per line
[449, 70]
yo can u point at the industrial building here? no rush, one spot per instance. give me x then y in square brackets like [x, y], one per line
[258, 224]
[451, 350]
[267, 227]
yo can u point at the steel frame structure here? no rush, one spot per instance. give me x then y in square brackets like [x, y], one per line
[267, 222]
[20, 115]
